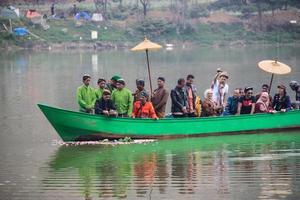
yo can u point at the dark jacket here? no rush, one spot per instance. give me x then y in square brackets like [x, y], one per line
[194, 93]
[281, 103]
[179, 99]
[101, 105]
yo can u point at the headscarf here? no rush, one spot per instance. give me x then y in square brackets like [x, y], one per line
[264, 105]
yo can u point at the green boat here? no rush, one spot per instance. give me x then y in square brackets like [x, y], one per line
[78, 126]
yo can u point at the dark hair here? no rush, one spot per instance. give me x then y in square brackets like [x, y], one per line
[181, 80]
[140, 82]
[265, 85]
[161, 78]
[247, 89]
[190, 76]
[101, 80]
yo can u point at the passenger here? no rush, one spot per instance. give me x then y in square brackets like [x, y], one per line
[246, 103]
[112, 84]
[209, 106]
[123, 100]
[263, 104]
[296, 87]
[86, 95]
[143, 108]
[179, 100]
[264, 88]
[140, 84]
[281, 100]
[99, 91]
[191, 93]
[105, 106]
[232, 103]
[160, 97]
[198, 106]
[241, 91]
[220, 90]
[219, 71]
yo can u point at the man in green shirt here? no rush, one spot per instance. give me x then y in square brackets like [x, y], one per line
[112, 83]
[86, 95]
[99, 91]
[123, 99]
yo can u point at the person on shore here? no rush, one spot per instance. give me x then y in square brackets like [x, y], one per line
[282, 101]
[112, 85]
[99, 91]
[191, 93]
[263, 104]
[179, 100]
[160, 97]
[246, 103]
[86, 95]
[140, 85]
[209, 106]
[52, 9]
[123, 100]
[104, 105]
[143, 108]
[220, 90]
[264, 88]
[232, 103]
[295, 86]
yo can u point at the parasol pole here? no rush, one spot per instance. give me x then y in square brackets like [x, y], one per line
[149, 73]
[271, 83]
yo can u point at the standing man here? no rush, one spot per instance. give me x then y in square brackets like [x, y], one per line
[99, 91]
[220, 90]
[52, 10]
[140, 85]
[190, 91]
[160, 98]
[112, 84]
[122, 97]
[179, 100]
[86, 95]
[295, 86]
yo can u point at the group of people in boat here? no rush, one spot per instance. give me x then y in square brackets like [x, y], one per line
[114, 99]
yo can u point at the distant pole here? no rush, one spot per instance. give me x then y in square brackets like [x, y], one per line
[149, 73]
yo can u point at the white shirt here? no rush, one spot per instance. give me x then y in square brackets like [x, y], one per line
[219, 93]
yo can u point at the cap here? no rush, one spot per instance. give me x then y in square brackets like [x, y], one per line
[281, 86]
[121, 81]
[115, 78]
[224, 73]
[140, 82]
[247, 89]
[106, 92]
[294, 83]
[86, 76]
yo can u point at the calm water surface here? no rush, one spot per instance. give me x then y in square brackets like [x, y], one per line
[33, 166]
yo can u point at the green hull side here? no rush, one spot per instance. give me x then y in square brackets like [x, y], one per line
[71, 125]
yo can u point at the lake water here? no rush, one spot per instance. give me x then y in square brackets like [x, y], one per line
[34, 166]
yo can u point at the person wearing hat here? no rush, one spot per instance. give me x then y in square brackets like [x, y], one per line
[104, 105]
[295, 86]
[143, 108]
[160, 97]
[86, 96]
[282, 101]
[140, 85]
[112, 84]
[220, 90]
[123, 99]
[246, 103]
[99, 91]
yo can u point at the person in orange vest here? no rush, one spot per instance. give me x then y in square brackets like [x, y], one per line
[143, 108]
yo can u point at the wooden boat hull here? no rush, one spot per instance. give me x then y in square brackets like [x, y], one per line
[74, 126]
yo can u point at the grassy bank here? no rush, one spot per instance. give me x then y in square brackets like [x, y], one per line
[125, 27]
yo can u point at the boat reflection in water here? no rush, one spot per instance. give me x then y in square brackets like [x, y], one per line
[227, 167]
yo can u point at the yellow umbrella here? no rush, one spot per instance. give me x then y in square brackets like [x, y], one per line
[274, 67]
[147, 45]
